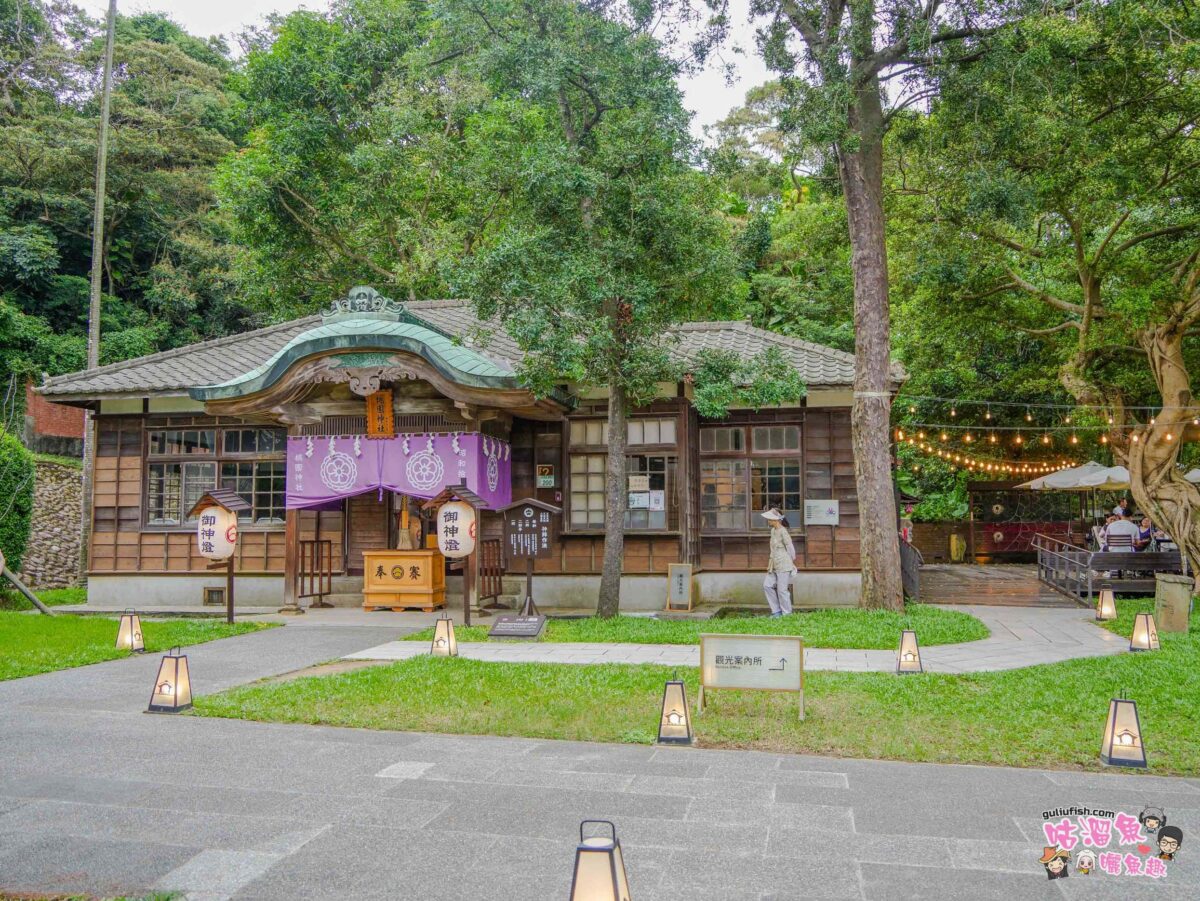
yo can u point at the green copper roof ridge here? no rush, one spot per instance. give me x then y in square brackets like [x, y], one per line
[328, 337]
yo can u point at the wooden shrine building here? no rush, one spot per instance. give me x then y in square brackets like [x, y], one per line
[333, 427]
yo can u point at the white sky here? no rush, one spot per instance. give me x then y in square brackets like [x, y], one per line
[707, 95]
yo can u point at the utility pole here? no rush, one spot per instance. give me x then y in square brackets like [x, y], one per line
[93, 347]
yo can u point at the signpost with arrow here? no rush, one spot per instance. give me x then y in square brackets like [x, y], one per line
[751, 663]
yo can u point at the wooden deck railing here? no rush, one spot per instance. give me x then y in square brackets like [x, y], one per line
[314, 578]
[1077, 571]
[491, 569]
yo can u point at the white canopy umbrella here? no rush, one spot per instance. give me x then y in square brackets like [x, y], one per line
[1192, 475]
[1082, 478]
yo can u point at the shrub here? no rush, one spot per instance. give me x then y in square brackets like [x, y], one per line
[16, 498]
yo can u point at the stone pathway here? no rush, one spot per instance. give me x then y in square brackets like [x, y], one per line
[225, 809]
[1021, 636]
[98, 797]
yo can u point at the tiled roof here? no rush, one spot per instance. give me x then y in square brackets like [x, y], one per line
[224, 359]
[817, 364]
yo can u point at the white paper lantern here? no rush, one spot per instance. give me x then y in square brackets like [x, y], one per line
[456, 527]
[216, 533]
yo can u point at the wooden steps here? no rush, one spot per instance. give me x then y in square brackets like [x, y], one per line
[1001, 585]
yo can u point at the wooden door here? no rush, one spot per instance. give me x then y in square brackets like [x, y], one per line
[368, 527]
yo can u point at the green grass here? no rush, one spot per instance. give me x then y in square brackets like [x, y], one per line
[834, 628]
[1045, 716]
[11, 599]
[156, 896]
[32, 643]
[73, 462]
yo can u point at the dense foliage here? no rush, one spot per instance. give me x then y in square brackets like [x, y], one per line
[16, 498]
[1040, 192]
[167, 277]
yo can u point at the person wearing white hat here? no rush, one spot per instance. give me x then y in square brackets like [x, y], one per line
[781, 566]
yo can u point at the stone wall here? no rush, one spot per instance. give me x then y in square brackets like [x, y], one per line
[52, 559]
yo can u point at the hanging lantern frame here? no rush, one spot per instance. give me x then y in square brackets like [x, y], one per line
[1121, 744]
[129, 632]
[172, 672]
[675, 718]
[1144, 636]
[445, 642]
[599, 872]
[908, 656]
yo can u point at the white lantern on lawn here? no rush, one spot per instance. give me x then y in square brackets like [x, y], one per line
[456, 525]
[216, 533]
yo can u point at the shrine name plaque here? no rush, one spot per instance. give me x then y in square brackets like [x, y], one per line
[512, 627]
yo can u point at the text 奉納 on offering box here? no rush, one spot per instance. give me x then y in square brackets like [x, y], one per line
[404, 579]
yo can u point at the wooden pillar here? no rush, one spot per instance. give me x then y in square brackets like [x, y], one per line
[291, 554]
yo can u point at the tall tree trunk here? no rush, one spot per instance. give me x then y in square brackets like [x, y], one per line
[861, 169]
[1157, 486]
[615, 500]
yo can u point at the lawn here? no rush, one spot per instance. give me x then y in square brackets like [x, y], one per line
[835, 628]
[11, 599]
[1045, 716]
[32, 643]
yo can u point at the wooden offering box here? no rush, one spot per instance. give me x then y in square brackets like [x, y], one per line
[403, 580]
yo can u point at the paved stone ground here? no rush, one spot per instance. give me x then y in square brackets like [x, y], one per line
[96, 796]
[1021, 636]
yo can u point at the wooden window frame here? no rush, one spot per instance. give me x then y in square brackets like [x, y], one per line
[631, 450]
[749, 455]
[217, 457]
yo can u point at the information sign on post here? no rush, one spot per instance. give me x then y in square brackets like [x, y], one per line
[530, 533]
[753, 663]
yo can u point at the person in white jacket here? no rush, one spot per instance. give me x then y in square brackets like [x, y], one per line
[781, 566]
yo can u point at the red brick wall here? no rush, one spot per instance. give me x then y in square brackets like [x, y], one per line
[52, 419]
[932, 539]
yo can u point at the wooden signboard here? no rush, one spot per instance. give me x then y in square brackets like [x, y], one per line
[530, 533]
[381, 418]
[752, 663]
[530, 529]
[679, 586]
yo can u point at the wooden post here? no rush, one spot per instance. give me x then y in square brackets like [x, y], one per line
[291, 554]
[468, 586]
[229, 592]
[291, 563]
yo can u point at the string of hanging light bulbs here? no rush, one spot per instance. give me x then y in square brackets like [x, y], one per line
[956, 402]
[984, 464]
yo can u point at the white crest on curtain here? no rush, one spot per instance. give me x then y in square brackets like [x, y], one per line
[338, 471]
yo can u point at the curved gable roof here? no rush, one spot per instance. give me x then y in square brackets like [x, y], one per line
[174, 372]
[458, 363]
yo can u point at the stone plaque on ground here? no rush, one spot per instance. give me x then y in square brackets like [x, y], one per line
[517, 627]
